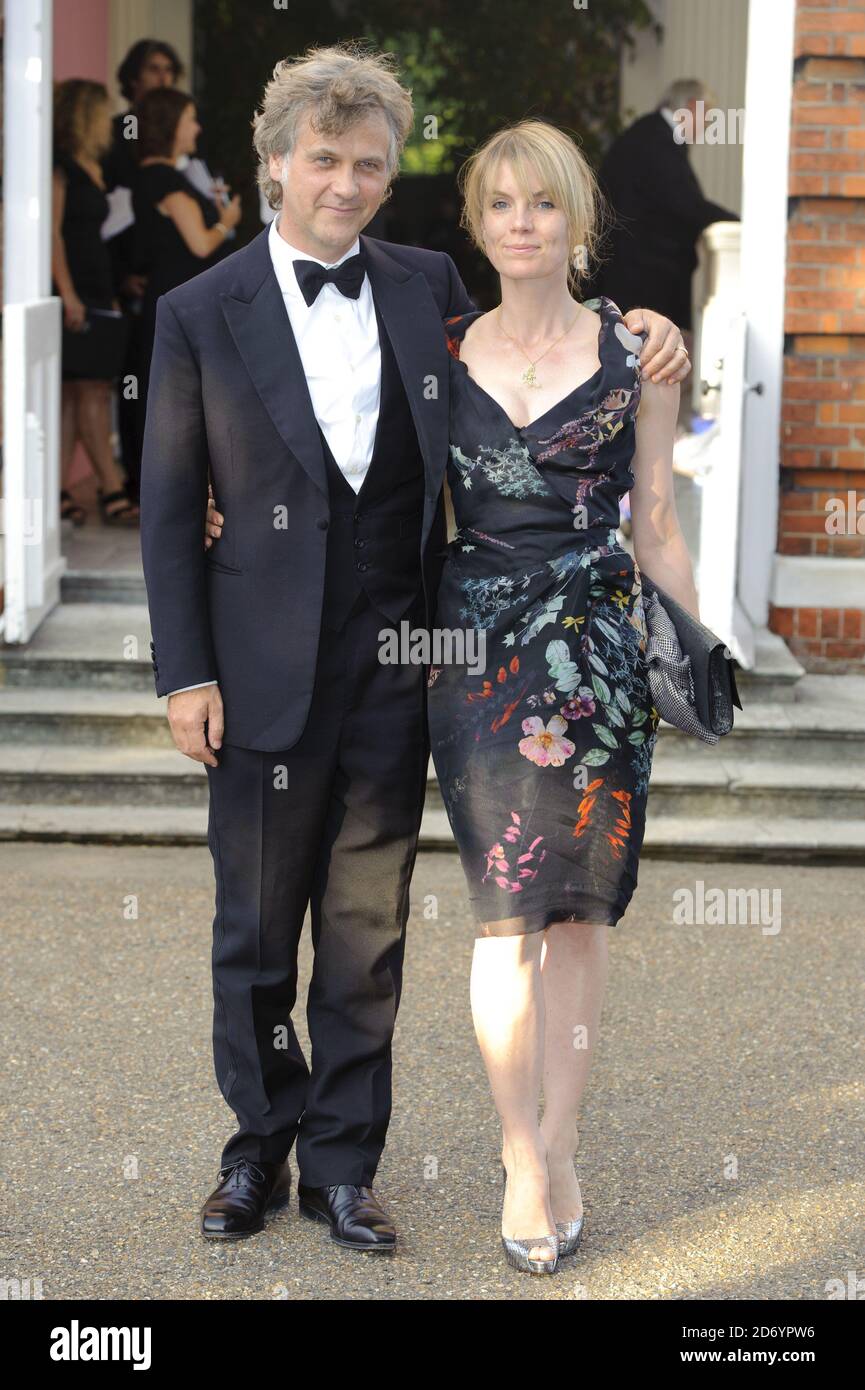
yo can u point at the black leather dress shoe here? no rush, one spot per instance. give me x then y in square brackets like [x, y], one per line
[355, 1218]
[245, 1193]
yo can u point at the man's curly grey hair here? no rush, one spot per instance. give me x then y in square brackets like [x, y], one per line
[335, 87]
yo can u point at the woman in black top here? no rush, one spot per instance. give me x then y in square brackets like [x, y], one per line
[82, 278]
[178, 231]
[148, 63]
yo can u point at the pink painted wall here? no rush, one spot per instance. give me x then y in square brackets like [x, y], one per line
[81, 50]
[81, 40]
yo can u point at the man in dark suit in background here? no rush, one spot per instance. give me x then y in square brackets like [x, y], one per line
[308, 375]
[660, 211]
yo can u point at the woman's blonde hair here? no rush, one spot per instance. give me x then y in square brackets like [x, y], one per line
[335, 87]
[539, 156]
[77, 102]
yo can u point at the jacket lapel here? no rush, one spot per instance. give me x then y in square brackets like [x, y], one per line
[260, 327]
[413, 322]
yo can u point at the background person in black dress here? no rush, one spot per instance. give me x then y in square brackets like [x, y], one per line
[178, 231]
[149, 63]
[82, 277]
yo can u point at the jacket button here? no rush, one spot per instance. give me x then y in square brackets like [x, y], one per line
[322, 523]
[360, 544]
[363, 566]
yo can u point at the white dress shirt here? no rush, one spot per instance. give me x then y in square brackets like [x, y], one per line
[673, 121]
[337, 339]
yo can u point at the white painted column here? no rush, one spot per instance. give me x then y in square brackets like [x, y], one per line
[768, 100]
[31, 328]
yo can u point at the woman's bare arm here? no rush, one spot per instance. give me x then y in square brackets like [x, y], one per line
[188, 218]
[59, 263]
[659, 546]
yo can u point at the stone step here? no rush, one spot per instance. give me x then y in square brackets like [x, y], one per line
[116, 772]
[825, 723]
[730, 780]
[94, 646]
[97, 586]
[105, 825]
[784, 841]
[108, 776]
[775, 674]
[736, 787]
[757, 788]
[76, 715]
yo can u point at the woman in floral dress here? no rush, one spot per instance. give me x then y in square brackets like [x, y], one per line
[544, 759]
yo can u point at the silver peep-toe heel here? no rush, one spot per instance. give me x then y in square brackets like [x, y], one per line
[517, 1251]
[570, 1234]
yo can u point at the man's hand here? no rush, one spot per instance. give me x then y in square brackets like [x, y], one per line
[134, 285]
[188, 713]
[213, 522]
[664, 356]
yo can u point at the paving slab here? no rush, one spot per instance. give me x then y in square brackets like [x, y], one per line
[722, 1145]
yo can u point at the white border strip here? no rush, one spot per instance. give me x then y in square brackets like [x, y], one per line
[765, 190]
[818, 581]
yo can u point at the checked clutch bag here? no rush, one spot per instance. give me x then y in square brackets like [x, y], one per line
[691, 671]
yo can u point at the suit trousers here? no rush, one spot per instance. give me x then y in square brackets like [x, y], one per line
[330, 825]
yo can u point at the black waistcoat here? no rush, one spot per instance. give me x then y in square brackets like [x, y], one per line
[373, 542]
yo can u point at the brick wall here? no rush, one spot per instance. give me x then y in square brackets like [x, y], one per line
[823, 409]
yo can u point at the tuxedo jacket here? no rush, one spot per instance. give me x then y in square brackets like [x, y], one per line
[228, 397]
[660, 212]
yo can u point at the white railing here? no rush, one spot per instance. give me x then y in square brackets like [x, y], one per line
[31, 465]
[713, 457]
[718, 294]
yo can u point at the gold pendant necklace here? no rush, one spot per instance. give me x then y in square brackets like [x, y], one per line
[530, 376]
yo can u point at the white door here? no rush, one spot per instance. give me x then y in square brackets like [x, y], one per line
[32, 563]
[740, 500]
[720, 529]
[31, 453]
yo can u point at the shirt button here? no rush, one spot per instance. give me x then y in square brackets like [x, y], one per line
[357, 419]
[360, 544]
[363, 566]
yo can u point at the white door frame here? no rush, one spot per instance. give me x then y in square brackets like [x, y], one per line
[765, 191]
[33, 564]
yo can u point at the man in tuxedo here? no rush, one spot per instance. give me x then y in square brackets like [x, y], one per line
[307, 373]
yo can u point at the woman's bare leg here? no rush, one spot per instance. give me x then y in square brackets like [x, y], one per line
[507, 1001]
[574, 977]
[68, 428]
[94, 428]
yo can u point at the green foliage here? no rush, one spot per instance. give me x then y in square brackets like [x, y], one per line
[472, 65]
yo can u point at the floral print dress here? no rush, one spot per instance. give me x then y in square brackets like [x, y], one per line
[543, 760]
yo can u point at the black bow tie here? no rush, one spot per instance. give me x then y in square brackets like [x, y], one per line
[348, 277]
